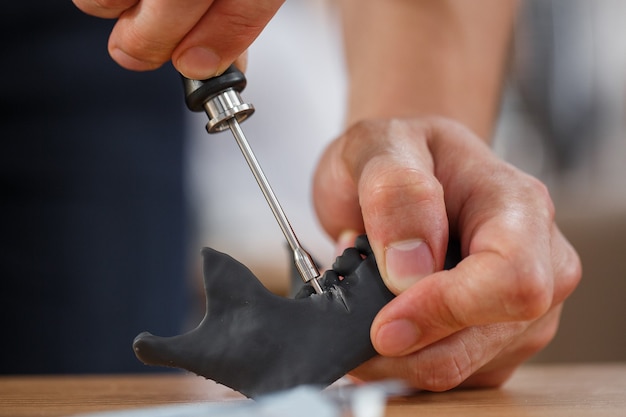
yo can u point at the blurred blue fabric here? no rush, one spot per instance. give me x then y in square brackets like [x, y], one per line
[93, 214]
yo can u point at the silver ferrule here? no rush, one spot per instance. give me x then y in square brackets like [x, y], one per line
[225, 106]
[307, 269]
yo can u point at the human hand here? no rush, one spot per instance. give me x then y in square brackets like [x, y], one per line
[201, 37]
[409, 184]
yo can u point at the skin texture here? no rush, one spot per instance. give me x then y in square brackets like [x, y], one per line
[476, 322]
[430, 57]
[411, 170]
[201, 37]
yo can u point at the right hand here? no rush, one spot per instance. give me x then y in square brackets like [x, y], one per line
[201, 37]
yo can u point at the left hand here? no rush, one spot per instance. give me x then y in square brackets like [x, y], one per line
[408, 183]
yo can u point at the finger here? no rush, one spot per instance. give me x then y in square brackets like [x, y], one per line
[448, 362]
[482, 289]
[222, 35]
[534, 338]
[335, 195]
[506, 224]
[399, 199]
[242, 62]
[480, 356]
[145, 35]
[488, 286]
[104, 8]
[540, 332]
[567, 266]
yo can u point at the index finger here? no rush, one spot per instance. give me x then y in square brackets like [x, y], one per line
[104, 8]
[223, 34]
[399, 203]
[146, 34]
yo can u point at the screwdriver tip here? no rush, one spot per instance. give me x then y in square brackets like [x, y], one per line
[316, 286]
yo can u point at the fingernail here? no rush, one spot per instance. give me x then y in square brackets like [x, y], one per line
[396, 337]
[198, 63]
[130, 62]
[407, 262]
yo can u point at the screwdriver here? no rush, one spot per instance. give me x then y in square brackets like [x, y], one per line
[219, 97]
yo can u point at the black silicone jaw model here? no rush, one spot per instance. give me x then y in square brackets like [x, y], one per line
[256, 342]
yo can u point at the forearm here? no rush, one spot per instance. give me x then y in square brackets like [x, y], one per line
[408, 58]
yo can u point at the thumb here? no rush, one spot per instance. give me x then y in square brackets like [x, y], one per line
[402, 202]
[222, 35]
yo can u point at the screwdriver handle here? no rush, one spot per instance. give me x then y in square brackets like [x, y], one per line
[197, 92]
[219, 98]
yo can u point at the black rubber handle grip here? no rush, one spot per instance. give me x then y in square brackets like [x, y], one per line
[198, 92]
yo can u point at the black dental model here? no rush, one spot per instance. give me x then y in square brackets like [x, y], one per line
[256, 342]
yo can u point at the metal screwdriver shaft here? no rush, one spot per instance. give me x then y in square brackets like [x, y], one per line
[219, 98]
[305, 265]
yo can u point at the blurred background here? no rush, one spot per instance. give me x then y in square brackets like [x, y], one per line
[110, 187]
[563, 120]
[93, 215]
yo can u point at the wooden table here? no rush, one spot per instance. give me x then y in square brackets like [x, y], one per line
[535, 390]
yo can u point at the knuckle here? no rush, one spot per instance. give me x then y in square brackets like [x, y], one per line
[445, 373]
[538, 335]
[541, 339]
[529, 293]
[530, 285]
[446, 365]
[360, 136]
[571, 272]
[245, 27]
[526, 195]
[145, 48]
[446, 315]
[399, 187]
[539, 192]
[521, 283]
